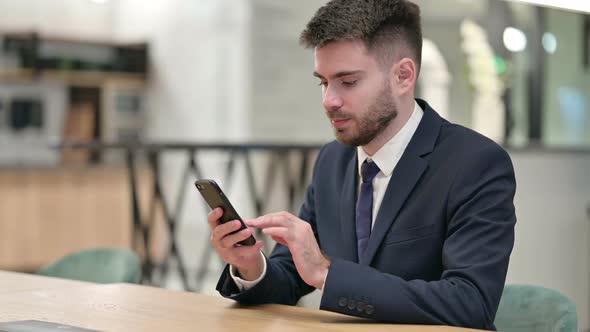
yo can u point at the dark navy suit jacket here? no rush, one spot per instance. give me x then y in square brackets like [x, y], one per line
[439, 249]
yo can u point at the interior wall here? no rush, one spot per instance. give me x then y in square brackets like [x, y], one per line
[286, 104]
[553, 225]
[76, 18]
[199, 65]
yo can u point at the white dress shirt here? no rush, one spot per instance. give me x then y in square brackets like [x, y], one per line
[386, 159]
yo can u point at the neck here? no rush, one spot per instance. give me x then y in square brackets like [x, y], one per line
[405, 110]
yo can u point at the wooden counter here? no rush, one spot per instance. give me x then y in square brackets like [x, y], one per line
[47, 213]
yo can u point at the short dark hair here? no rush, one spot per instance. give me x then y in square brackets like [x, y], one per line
[382, 25]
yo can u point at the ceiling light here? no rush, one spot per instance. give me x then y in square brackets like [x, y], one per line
[549, 42]
[514, 39]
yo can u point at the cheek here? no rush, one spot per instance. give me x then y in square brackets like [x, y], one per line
[360, 96]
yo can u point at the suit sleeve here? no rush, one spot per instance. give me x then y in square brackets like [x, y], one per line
[282, 283]
[478, 243]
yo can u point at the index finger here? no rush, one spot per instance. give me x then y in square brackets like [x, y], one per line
[270, 220]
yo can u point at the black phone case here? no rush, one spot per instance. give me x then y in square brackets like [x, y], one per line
[216, 198]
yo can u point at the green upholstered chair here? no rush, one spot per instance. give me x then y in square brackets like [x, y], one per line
[525, 308]
[99, 265]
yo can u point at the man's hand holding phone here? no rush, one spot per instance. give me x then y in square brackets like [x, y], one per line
[247, 259]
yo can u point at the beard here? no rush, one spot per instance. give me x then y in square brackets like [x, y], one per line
[369, 124]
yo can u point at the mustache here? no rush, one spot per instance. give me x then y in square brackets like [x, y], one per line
[338, 115]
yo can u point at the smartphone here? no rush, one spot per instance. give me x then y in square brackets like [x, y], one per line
[216, 198]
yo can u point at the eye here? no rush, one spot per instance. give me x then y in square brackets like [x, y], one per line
[349, 83]
[323, 84]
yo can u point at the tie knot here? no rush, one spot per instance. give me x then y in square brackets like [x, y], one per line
[369, 170]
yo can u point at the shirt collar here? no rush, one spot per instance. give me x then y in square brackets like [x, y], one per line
[395, 146]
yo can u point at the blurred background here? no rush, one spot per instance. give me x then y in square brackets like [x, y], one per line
[110, 109]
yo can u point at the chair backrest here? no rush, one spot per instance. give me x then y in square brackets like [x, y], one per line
[526, 308]
[100, 265]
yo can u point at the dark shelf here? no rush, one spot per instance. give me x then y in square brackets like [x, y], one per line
[125, 58]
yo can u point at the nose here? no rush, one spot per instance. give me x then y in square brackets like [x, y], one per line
[332, 101]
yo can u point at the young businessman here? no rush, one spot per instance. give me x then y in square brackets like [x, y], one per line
[408, 218]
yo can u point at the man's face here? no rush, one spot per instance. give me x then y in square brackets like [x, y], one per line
[356, 92]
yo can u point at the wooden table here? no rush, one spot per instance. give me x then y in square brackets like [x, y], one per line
[123, 307]
[17, 282]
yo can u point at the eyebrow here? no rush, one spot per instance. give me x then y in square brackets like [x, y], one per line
[339, 74]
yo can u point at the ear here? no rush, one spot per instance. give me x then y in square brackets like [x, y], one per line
[403, 76]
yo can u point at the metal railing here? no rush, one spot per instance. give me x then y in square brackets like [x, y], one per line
[280, 156]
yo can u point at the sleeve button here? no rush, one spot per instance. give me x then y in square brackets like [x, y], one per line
[360, 307]
[351, 304]
[342, 302]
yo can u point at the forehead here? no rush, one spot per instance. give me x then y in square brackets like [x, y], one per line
[343, 55]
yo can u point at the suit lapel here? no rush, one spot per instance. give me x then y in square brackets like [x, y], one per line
[404, 178]
[348, 212]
